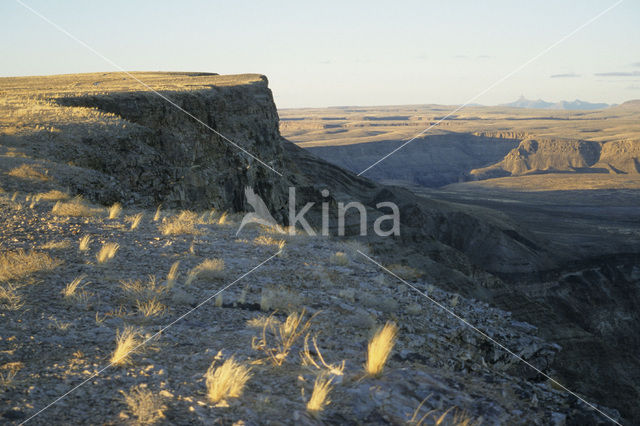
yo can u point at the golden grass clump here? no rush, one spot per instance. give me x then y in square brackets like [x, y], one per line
[226, 381]
[265, 240]
[83, 245]
[278, 337]
[209, 269]
[339, 258]
[107, 252]
[280, 299]
[151, 307]
[158, 214]
[8, 373]
[145, 406]
[27, 171]
[134, 220]
[10, 299]
[320, 395]
[75, 207]
[184, 223]
[380, 348]
[127, 343]
[172, 276]
[115, 210]
[138, 289]
[53, 195]
[70, 289]
[18, 264]
[56, 245]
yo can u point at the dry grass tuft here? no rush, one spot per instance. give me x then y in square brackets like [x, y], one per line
[107, 252]
[173, 274]
[223, 220]
[135, 220]
[27, 171]
[71, 288]
[156, 217]
[339, 258]
[184, 223]
[226, 381]
[8, 374]
[151, 307]
[18, 264]
[56, 245]
[53, 195]
[280, 299]
[210, 269]
[320, 364]
[127, 343]
[320, 395]
[146, 407]
[279, 337]
[380, 348]
[265, 240]
[115, 210]
[10, 299]
[75, 207]
[146, 290]
[84, 243]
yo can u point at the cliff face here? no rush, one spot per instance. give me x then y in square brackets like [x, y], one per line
[172, 159]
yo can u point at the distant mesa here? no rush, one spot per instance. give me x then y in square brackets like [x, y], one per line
[523, 102]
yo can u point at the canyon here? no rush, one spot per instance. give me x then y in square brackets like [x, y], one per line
[531, 213]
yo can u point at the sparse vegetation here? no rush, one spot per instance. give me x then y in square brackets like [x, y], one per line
[226, 381]
[8, 373]
[115, 210]
[184, 223]
[320, 364]
[27, 171]
[53, 195]
[127, 344]
[278, 337]
[150, 307]
[320, 395]
[75, 207]
[339, 258]
[56, 245]
[84, 243]
[145, 406]
[210, 269]
[158, 214]
[266, 240]
[19, 264]
[107, 252]
[173, 274]
[10, 299]
[280, 299]
[71, 288]
[380, 348]
[145, 290]
[134, 220]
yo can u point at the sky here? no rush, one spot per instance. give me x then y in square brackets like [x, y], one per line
[332, 53]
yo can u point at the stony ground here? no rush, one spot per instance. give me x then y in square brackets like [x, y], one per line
[50, 344]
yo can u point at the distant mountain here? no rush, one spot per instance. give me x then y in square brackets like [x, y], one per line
[523, 102]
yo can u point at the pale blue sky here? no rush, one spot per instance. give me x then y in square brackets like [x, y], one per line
[344, 53]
